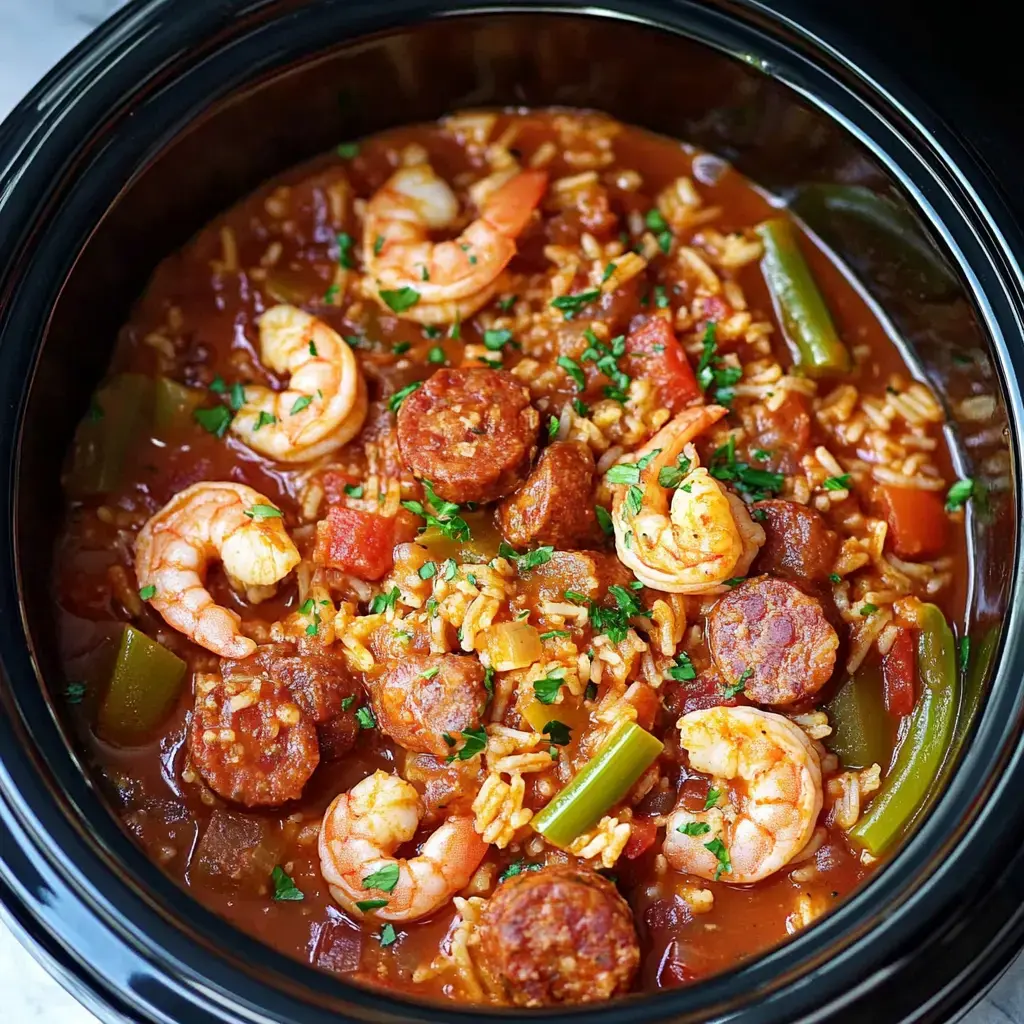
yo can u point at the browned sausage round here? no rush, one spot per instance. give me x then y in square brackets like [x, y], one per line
[774, 638]
[251, 741]
[424, 696]
[558, 935]
[471, 432]
[798, 543]
[556, 503]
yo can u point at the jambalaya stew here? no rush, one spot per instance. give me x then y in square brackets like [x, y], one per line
[509, 561]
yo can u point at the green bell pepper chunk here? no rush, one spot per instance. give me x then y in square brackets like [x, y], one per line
[861, 728]
[801, 306]
[925, 744]
[602, 782]
[144, 686]
[173, 406]
[120, 411]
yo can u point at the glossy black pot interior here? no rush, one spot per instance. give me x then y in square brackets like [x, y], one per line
[176, 109]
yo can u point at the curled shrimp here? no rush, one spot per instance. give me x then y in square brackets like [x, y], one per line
[699, 539]
[362, 829]
[760, 824]
[453, 279]
[325, 402]
[204, 522]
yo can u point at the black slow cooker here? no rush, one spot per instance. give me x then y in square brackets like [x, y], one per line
[174, 109]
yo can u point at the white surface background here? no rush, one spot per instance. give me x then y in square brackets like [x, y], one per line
[34, 35]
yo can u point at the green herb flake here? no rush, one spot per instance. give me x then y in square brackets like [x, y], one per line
[346, 243]
[401, 347]
[364, 716]
[553, 425]
[718, 848]
[215, 421]
[74, 692]
[348, 150]
[428, 570]
[436, 355]
[259, 513]
[495, 341]
[331, 294]
[590, 693]
[528, 560]
[546, 689]
[429, 673]
[365, 905]
[385, 878]
[570, 305]
[217, 386]
[711, 800]
[396, 400]
[302, 402]
[654, 220]
[661, 297]
[837, 483]
[388, 936]
[964, 652]
[574, 370]
[285, 889]
[551, 634]
[506, 302]
[624, 473]
[683, 669]
[634, 499]
[382, 602]
[354, 490]
[557, 732]
[604, 520]
[265, 419]
[474, 741]
[868, 609]
[400, 299]
[834, 577]
[735, 689]
[959, 494]
[147, 593]
[517, 867]
[694, 828]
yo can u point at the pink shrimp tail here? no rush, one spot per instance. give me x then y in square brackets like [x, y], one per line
[510, 207]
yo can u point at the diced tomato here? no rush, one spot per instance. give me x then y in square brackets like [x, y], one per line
[642, 833]
[654, 353]
[917, 520]
[898, 671]
[359, 543]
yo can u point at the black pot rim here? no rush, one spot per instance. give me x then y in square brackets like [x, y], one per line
[109, 940]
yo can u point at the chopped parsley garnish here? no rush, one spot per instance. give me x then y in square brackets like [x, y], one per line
[752, 483]
[735, 689]
[428, 570]
[74, 692]
[400, 299]
[834, 577]
[401, 347]
[734, 581]
[378, 246]
[580, 407]
[624, 473]
[474, 741]
[382, 602]
[432, 331]
[712, 370]
[660, 296]
[345, 244]
[148, 593]
[528, 559]
[215, 421]
[868, 609]
[348, 150]
[385, 879]
[959, 494]
[261, 512]
[354, 490]
[546, 689]
[237, 398]
[436, 355]
[604, 519]
[285, 889]
[364, 716]
[654, 220]
[553, 424]
[265, 419]
[718, 848]
[606, 357]
[711, 800]
[495, 341]
[506, 302]
[683, 669]
[551, 634]
[347, 703]
[590, 692]
[634, 499]
[445, 516]
[301, 403]
[489, 680]
[557, 732]
[331, 294]
[614, 622]
[837, 483]
[429, 673]
[365, 905]
[574, 370]
[694, 828]
[217, 385]
[312, 348]
[672, 476]
[449, 569]
[396, 400]
[455, 331]
[517, 867]
[388, 935]
[570, 305]
[964, 652]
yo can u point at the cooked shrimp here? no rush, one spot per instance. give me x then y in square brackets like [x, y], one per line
[325, 402]
[453, 279]
[206, 521]
[363, 828]
[761, 824]
[704, 537]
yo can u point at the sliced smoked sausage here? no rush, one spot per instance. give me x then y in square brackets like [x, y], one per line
[558, 935]
[775, 638]
[423, 697]
[556, 503]
[251, 741]
[471, 432]
[798, 543]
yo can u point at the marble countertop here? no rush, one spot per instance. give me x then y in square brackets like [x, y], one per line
[34, 35]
